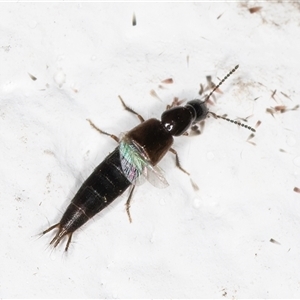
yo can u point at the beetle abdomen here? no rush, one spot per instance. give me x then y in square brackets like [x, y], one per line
[102, 187]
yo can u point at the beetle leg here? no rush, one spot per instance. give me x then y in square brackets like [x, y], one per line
[131, 110]
[128, 203]
[178, 165]
[103, 132]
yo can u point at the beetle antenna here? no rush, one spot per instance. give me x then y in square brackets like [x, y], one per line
[221, 117]
[221, 82]
[232, 121]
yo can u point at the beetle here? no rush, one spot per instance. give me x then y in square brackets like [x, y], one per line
[136, 157]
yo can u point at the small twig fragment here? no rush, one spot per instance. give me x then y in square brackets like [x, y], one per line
[274, 242]
[296, 189]
[153, 94]
[32, 77]
[133, 20]
[255, 9]
[167, 81]
[285, 95]
[257, 124]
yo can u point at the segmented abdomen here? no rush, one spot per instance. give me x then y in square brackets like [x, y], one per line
[102, 187]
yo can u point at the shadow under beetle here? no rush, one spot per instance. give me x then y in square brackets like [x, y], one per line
[135, 158]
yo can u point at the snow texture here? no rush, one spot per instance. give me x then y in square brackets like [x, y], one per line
[63, 63]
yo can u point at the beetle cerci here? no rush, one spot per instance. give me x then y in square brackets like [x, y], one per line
[136, 157]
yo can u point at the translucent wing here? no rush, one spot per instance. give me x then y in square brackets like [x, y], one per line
[155, 176]
[136, 167]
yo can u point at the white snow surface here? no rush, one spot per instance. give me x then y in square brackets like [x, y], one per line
[238, 236]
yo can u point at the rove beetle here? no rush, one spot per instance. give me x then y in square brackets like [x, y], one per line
[136, 157]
